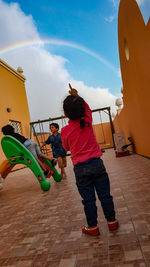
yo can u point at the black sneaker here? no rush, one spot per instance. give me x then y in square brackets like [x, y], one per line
[54, 162]
[46, 173]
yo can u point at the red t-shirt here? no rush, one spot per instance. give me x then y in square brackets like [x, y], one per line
[80, 142]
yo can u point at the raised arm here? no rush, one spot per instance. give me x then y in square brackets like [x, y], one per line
[88, 113]
[72, 91]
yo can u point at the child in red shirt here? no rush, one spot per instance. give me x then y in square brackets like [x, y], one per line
[90, 173]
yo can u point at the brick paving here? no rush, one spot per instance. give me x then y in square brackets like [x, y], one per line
[42, 229]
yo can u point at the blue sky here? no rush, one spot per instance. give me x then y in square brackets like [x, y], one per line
[82, 22]
[91, 24]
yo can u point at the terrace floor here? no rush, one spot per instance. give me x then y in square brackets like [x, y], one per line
[43, 229]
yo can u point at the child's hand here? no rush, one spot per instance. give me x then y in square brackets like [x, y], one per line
[72, 91]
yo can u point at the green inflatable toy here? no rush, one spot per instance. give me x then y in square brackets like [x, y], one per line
[17, 153]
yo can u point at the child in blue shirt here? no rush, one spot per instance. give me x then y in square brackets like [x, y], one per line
[58, 151]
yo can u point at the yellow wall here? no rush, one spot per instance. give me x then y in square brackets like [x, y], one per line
[13, 95]
[134, 51]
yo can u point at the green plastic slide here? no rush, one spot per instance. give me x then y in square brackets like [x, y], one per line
[17, 153]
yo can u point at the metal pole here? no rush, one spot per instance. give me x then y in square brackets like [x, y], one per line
[112, 127]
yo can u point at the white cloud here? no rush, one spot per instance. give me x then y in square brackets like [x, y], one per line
[114, 16]
[95, 97]
[47, 77]
[119, 72]
[46, 80]
[115, 3]
[15, 26]
[144, 6]
[140, 2]
[110, 19]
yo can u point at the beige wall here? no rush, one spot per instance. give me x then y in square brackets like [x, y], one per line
[134, 51]
[103, 135]
[13, 95]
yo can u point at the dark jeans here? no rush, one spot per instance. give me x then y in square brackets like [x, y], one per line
[91, 176]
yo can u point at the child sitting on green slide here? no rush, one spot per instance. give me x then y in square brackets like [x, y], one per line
[30, 145]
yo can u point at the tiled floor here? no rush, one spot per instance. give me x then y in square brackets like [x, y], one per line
[43, 229]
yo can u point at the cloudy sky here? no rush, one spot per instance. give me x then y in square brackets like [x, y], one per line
[56, 42]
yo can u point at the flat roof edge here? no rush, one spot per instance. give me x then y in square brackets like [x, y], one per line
[13, 71]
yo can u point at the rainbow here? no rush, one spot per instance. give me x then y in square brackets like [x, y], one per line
[42, 42]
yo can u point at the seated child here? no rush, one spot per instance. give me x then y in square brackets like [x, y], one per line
[30, 145]
[58, 151]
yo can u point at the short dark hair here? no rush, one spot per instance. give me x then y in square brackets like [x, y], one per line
[7, 129]
[74, 107]
[55, 125]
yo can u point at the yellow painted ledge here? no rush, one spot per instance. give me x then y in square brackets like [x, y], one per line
[13, 71]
